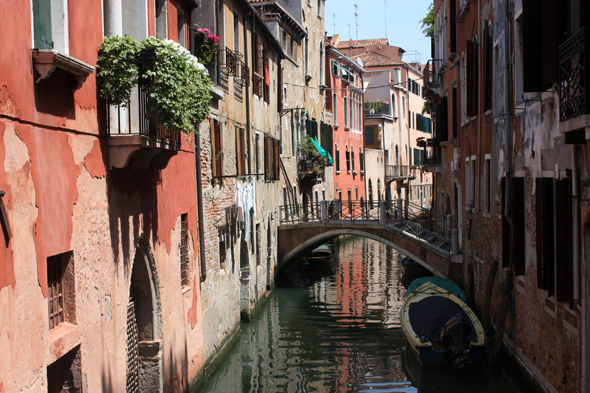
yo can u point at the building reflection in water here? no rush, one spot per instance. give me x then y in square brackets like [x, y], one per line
[334, 331]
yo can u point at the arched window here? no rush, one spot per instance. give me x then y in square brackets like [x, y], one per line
[370, 194]
[361, 160]
[352, 156]
[393, 106]
[347, 160]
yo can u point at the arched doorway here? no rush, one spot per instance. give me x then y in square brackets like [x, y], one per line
[144, 324]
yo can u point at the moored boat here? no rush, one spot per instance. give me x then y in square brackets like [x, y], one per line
[442, 282]
[441, 328]
[321, 256]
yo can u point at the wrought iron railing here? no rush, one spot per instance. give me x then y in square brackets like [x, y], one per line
[140, 125]
[433, 153]
[377, 108]
[398, 171]
[432, 75]
[574, 78]
[416, 218]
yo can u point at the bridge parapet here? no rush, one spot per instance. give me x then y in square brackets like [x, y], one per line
[414, 232]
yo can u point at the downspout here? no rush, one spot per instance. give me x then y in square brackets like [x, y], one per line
[507, 117]
[576, 225]
[198, 169]
[248, 130]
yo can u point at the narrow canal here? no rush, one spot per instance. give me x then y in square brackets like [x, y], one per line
[338, 331]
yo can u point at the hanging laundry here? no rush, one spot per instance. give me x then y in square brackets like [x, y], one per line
[245, 201]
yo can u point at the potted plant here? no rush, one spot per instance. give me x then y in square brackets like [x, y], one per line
[421, 142]
[205, 45]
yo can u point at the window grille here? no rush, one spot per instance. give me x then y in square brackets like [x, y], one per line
[132, 350]
[184, 264]
[55, 287]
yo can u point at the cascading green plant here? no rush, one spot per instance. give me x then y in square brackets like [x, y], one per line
[178, 84]
[116, 69]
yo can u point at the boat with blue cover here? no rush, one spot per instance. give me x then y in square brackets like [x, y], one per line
[441, 328]
[442, 282]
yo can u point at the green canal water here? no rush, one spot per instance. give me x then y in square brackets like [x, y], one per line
[338, 331]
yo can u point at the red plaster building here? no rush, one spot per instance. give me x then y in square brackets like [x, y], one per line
[99, 274]
[344, 81]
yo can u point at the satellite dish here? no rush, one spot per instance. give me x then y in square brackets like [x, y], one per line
[359, 61]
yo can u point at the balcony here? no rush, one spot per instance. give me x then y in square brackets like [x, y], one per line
[134, 140]
[433, 162]
[377, 110]
[574, 83]
[433, 77]
[399, 172]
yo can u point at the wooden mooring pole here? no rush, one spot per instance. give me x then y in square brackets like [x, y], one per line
[501, 321]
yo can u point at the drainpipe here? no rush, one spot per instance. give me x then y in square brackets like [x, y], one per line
[197, 138]
[248, 130]
[576, 224]
[507, 116]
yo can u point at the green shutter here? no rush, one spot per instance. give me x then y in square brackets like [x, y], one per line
[42, 24]
[334, 67]
[416, 157]
[361, 161]
[337, 160]
[326, 138]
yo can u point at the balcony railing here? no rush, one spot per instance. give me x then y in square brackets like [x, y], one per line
[377, 109]
[394, 172]
[574, 78]
[131, 130]
[432, 75]
[433, 154]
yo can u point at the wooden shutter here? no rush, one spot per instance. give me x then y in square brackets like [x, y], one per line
[337, 160]
[264, 70]
[42, 24]
[506, 239]
[241, 151]
[545, 235]
[266, 158]
[455, 112]
[563, 240]
[259, 58]
[518, 226]
[276, 159]
[217, 155]
[308, 127]
[327, 142]
[280, 91]
[453, 25]
[471, 78]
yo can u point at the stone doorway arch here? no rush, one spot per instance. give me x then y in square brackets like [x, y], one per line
[144, 324]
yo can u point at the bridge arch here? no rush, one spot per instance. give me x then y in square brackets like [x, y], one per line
[308, 245]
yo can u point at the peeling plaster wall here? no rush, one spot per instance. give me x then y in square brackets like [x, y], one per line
[60, 197]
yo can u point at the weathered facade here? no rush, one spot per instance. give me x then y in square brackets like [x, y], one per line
[509, 157]
[99, 271]
[299, 27]
[345, 81]
[240, 146]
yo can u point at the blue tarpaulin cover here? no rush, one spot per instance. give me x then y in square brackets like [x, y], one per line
[322, 152]
[429, 315]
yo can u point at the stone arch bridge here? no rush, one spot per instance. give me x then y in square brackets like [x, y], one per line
[413, 231]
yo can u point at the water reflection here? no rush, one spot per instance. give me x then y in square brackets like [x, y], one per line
[336, 331]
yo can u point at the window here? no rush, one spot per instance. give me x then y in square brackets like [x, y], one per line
[258, 245]
[252, 233]
[546, 24]
[337, 159]
[216, 152]
[60, 286]
[319, 8]
[161, 19]
[257, 152]
[335, 105]
[351, 114]
[258, 66]
[370, 136]
[487, 183]
[352, 156]
[335, 68]
[393, 106]
[326, 138]
[554, 237]
[236, 31]
[240, 152]
[184, 261]
[222, 237]
[361, 160]
[472, 181]
[463, 89]
[488, 57]
[293, 49]
[50, 25]
[181, 26]
[322, 61]
[455, 113]
[65, 374]
[345, 112]
[347, 160]
[271, 158]
[472, 78]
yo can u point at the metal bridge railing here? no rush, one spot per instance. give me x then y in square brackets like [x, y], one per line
[417, 218]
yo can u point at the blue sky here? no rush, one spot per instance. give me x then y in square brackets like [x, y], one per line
[403, 22]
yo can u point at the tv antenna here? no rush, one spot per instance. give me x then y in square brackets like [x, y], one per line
[334, 16]
[385, 1]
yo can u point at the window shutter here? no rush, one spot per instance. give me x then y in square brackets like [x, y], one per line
[352, 159]
[42, 24]
[280, 91]
[563, 240]
[471, 78]
[545, 235]
[266, 67]
[276, 159]
[266, 159]
[334, 68]
[487, 56]
[362, 161]
[217, 159]
[314, 129]
[326, 138]
[337, 160]
[259, 50]
[518, 226]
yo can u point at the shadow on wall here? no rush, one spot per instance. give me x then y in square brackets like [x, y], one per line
[176, 370]
[131, 194]
[54, 95]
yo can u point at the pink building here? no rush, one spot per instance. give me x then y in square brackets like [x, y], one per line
[345, 97]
